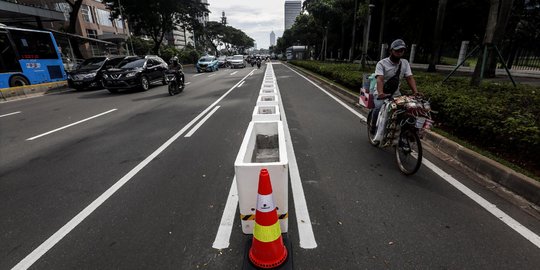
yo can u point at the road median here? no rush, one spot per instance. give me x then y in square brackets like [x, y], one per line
[22, 92]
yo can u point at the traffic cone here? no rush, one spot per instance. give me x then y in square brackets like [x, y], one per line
[267, 249]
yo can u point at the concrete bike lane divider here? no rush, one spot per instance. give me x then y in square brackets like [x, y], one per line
[267, 144]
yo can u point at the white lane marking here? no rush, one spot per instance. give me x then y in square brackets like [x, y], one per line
[240, 85]
[188, 83]
[8, 114]
[74, 222]
[201, 122]
[212, 75]
[491, 208]
[70, 125]
[234, 72]
[330, 95]
[227, 219]
[305, 230]
[502, 216]
[198, 74]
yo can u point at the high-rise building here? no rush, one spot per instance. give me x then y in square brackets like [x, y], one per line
[272, 39]
[292, 9]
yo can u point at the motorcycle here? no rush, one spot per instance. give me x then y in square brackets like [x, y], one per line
[407, 120]
[258, 63]
[175, 82]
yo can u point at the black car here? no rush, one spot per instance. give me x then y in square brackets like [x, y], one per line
[88, 75]
[135, 72]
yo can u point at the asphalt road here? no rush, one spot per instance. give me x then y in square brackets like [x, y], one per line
[364, 213]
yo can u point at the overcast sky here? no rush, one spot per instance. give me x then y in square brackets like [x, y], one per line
[257, 18]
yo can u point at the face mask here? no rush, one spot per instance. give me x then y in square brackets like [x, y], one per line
[394, 58]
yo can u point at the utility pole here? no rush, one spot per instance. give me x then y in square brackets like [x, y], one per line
[223, 18]
[351, 52]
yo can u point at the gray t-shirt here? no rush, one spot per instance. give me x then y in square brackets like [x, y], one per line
[388, 69]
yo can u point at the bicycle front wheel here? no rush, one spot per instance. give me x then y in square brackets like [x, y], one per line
[408, 152]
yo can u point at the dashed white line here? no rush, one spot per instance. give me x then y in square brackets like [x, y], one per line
[240, 85]
[491, 208]
[227, 219]
[201, 122]
[187, 83]
[70, 125]
[234, 72]
[74, 222]
[211, 75]
[198, 74]
[8, 114]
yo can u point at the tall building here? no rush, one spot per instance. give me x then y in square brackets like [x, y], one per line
[272, 39]
[292, 9]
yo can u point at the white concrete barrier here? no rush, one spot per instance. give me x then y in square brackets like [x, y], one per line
[266, 113]
[268, 91]
[263, 146]
[267, 100]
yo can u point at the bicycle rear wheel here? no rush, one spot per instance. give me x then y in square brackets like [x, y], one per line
[408, 152]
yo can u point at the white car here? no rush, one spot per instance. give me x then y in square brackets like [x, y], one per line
[237, 61]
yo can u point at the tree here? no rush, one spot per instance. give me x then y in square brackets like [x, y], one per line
[234, 40]
[158, 17]
[499, 12]
[75, 6]
[437, 35]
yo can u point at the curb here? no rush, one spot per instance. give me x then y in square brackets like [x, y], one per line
[22, 92]
[484, 167]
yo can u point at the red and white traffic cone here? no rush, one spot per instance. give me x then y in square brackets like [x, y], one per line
[267, 249]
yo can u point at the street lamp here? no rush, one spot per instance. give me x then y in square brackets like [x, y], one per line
[366, 37]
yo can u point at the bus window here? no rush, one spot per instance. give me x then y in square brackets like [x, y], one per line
[34, 46]
[8, 60]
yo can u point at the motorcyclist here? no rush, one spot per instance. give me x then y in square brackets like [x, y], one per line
[258, 62]
[388, 83]
[176, 67]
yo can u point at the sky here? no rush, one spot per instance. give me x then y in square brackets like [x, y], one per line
[257, 18]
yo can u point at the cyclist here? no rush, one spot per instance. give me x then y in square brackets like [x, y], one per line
[389, 72]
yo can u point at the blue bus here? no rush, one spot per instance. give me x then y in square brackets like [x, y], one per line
[28, 57]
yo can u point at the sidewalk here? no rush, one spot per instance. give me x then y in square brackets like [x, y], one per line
[22, 92]
[481, 166]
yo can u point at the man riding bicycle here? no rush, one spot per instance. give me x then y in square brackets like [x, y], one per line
[389, 72]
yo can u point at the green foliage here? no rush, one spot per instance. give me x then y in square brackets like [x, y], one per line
[158, 17]
[497, 117]
[349, 75]
[189, 56]
[140, 46]
[235, 40]
[185, 56]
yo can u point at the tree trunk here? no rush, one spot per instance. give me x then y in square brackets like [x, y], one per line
[437, 36]
[72, 27]
[505, 12]
[381, 30]
[488, 39]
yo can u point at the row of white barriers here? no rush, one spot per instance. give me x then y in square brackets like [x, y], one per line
[263, 146]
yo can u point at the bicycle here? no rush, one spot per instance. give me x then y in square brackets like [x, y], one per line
[408, 118]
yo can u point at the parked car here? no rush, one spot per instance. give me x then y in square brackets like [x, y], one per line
[207, 63]
[89, 74]
[222, 61]
[135, 72]
[238, 61]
